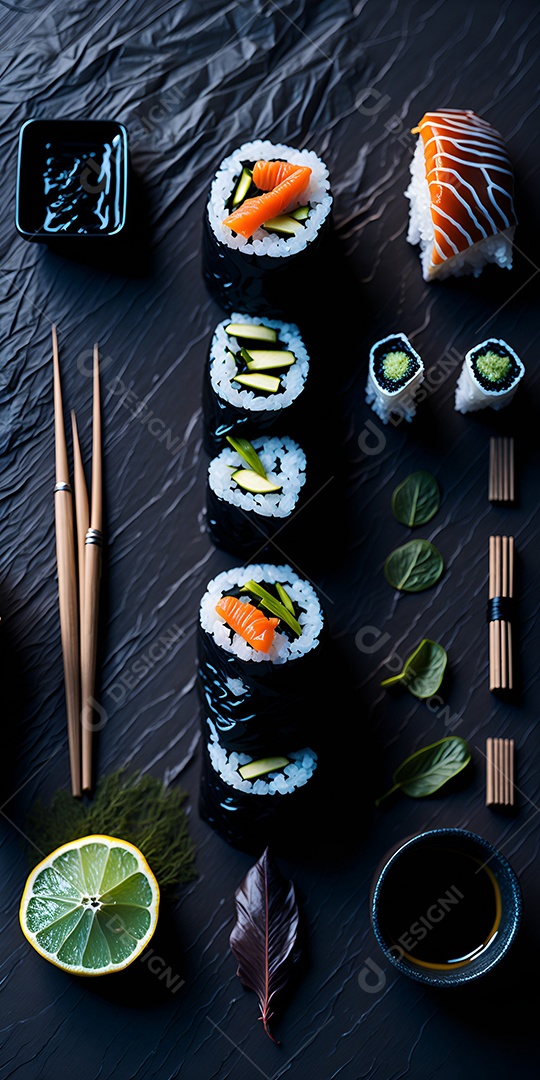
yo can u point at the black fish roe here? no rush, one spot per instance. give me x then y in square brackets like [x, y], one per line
[494, 368]
[394, 365]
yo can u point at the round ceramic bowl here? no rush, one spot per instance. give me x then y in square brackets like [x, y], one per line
[510, 916]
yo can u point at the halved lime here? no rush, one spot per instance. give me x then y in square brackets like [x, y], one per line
[92, 906]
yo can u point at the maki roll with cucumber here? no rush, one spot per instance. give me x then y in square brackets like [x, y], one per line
[489, 376]
[395, 373]
[256, 372]
[252, 801]
[268, 211]
[252, 491]
[260, 655]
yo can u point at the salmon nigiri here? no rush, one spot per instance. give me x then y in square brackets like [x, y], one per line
[248, 621]
[282, 183]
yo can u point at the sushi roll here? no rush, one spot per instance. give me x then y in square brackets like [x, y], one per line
[268, 210]
[252, 491]
[256, 371]
[254, 801]
[489, 376]
[461, 195]
[395, 373]
[261, 653]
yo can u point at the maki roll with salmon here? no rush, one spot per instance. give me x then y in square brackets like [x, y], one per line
[268, 211]
[489, 377]
[256, 372]
[253, 489]
[461, 195]
[260, 659]
[395, 373]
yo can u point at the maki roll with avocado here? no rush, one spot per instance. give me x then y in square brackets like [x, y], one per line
[268, 210]
[253, 489]
[261, 659]
[257, 370]
[395, 373]
[254, 801]
[489, 376]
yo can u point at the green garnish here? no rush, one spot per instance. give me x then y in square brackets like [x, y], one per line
[274, 606]
[492, 366]
[248, 453]
[417, 499]
[428, 769]
[395, 365]
[423, 672]
[262, 767]
[140, 809]
[301, 213]
[413, 567]
[242, 187]
[285, 598]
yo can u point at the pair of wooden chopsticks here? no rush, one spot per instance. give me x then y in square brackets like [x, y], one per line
[501, 469]
[78, 595]
[501, 591]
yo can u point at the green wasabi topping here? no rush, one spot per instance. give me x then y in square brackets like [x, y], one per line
[493, 366]
[395, 365]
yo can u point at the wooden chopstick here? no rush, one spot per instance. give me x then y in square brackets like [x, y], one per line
[67, 579]
[92, 578]
[501, 487]
[81, 513]
[500, 789]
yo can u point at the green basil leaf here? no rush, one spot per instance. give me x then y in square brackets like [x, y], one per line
[417, 499]
[415, 566]
[423, 672]
[272, 605]
[427, 770]
[248, 452]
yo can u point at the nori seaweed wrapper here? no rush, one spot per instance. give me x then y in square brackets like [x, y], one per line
[280, 705]
[221, 418]
[250, 822]
[247, 533]
[261, 284]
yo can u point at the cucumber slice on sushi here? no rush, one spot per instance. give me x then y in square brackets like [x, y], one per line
[489, 376]
[252, 331]
[243, 187]
[269, 384]
[266, 359]
[254, 769]
[284, 225]
[251, 481]
[301, 213]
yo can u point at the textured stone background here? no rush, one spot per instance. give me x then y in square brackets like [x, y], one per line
[191, 82]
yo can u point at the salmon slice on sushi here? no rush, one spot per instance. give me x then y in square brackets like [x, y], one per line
[461, 195]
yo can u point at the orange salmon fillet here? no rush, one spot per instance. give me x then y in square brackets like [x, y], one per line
[254, 212]
[248, 621]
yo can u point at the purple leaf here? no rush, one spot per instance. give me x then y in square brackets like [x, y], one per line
[265, 937]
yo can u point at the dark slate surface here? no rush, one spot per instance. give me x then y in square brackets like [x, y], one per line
[191, 82]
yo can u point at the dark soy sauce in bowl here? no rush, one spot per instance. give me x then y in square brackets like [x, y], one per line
[440, 907]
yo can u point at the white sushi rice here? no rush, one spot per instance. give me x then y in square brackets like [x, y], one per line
[223, 367]
[284, 463]
[386, 403]
[494, 249]
[305, 600]
[317, 194]
[301, 768]
[471, 395]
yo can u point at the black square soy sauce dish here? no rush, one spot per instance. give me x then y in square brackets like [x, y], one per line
[72, 179]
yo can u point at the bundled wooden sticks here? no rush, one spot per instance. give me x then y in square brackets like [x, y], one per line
[501, 592]
[501, 470]
[499, 772]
